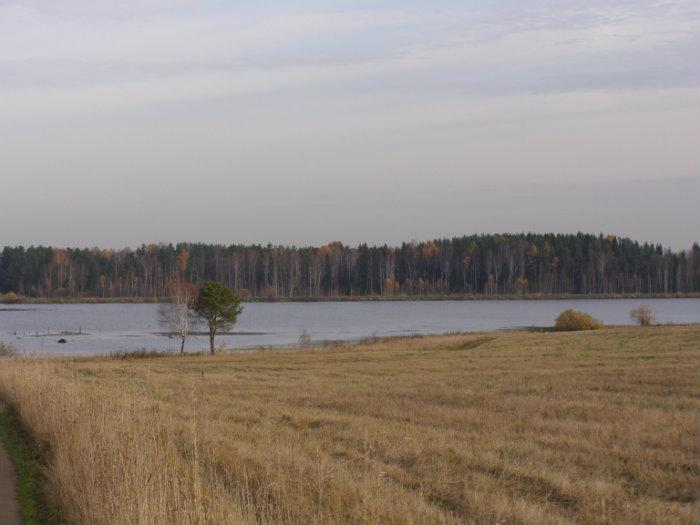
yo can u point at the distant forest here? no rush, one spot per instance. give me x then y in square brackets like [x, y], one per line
[511, 264]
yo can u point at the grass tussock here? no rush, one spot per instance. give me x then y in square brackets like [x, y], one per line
[142, 353]
[535, 428]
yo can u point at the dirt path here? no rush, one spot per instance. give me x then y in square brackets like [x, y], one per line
[9, 509]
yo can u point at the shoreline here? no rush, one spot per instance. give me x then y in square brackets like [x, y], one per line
[358, 298]
[327, 344]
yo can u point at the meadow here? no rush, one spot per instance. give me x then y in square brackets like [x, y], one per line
[504, 427]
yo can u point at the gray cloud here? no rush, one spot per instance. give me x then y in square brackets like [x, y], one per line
[167, 119]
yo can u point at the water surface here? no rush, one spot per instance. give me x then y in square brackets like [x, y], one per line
[103, 328]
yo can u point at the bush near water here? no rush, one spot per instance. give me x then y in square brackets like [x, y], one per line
[574, 321]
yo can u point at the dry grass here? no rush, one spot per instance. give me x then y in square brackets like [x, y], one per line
[595, 427]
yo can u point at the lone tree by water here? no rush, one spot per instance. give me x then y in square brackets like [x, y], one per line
[218, 307]
[178, 315]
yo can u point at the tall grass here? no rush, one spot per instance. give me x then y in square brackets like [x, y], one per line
[595, 427]
[115, 458]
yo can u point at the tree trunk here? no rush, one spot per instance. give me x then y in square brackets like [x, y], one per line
[182, 346]
[212, 335]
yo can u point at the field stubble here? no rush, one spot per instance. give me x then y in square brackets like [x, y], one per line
[536, 428]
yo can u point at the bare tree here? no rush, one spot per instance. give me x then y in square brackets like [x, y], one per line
[178, 315]
[643, 315]
[305, 340]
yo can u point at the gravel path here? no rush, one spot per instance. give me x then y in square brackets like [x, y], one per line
[9, 509]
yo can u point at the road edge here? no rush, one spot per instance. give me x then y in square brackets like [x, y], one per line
[24, 454]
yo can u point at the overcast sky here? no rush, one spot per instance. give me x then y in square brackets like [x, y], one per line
[302, 122]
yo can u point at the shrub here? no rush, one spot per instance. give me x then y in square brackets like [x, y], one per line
[7, 350]
[573, 321]
[643, 315]
[305, 339]
[9, 298]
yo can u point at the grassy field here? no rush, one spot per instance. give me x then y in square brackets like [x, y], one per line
[536, 428]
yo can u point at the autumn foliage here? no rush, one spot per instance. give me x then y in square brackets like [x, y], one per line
[508, 264]
[574, 321]
[527, 428]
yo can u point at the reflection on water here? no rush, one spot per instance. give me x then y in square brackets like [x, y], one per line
[103, 328]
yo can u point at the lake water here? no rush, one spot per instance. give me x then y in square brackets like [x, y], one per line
[117, 327]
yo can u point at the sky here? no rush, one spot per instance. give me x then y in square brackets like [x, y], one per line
[302, 122]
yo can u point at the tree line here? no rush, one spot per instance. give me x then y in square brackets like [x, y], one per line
[512, 264]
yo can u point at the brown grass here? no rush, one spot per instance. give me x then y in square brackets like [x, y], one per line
[594, 427]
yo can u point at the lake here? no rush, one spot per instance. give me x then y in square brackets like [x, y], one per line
[117, 327]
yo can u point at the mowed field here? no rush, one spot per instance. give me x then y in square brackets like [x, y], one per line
[536, 428]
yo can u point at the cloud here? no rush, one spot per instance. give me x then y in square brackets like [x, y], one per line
[441, 39]
[145, 102]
